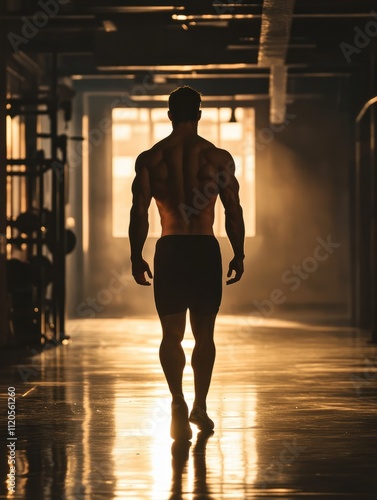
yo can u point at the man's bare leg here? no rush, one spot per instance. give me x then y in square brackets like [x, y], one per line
[173, 360]
[172, 356]
[202, 361]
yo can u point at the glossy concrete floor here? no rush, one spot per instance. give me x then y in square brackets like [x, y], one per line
[294, 407]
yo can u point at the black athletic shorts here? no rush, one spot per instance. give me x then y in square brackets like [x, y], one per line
[187, 274]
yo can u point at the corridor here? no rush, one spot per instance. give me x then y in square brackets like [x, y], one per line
[293, 404]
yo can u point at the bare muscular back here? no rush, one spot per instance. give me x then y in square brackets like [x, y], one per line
[183, 172]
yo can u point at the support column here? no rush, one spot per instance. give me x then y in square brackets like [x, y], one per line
[373, 205]
[4, 324]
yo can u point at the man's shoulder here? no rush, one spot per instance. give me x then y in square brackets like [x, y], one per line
[217, 155]
[209, 147]
[148, 157]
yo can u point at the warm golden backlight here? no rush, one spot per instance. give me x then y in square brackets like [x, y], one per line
[137, 129]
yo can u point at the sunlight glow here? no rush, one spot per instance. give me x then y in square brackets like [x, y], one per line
[231, 131]
[137, 129]
[142, 463]
[149, 425]
[123, 166]
[121, 132]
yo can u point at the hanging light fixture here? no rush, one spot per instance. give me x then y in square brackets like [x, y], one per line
[233, 118]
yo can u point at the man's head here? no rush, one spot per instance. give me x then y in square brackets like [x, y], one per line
[184, 104]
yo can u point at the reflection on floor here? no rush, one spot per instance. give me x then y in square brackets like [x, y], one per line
[294, 408]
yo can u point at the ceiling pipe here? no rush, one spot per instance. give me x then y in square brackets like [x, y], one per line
[278, 93]
[274, 41]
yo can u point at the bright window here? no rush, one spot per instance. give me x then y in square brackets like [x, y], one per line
[137, 129]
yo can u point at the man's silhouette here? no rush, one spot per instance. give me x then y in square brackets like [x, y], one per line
[184, 173]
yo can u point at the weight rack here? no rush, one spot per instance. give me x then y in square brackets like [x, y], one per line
[44, 319]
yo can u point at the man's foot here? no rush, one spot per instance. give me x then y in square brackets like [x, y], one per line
[201, 442]
[180, 427]
[199, 417]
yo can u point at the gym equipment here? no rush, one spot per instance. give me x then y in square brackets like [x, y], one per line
[47, 218]
[36, 181]
[70, 240]
[27, 222]
[41, 270]
[18, 275]
[32, 220]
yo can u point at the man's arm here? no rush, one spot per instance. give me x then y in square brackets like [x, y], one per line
[139, 224]
[234, 223]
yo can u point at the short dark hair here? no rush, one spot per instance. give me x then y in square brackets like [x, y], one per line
[184, 104]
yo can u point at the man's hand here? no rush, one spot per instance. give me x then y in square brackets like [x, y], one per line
[236, 265]
[139, 267]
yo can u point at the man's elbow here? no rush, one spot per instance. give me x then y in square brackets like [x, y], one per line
[234, 211]
[138, 217]
[138, 212]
